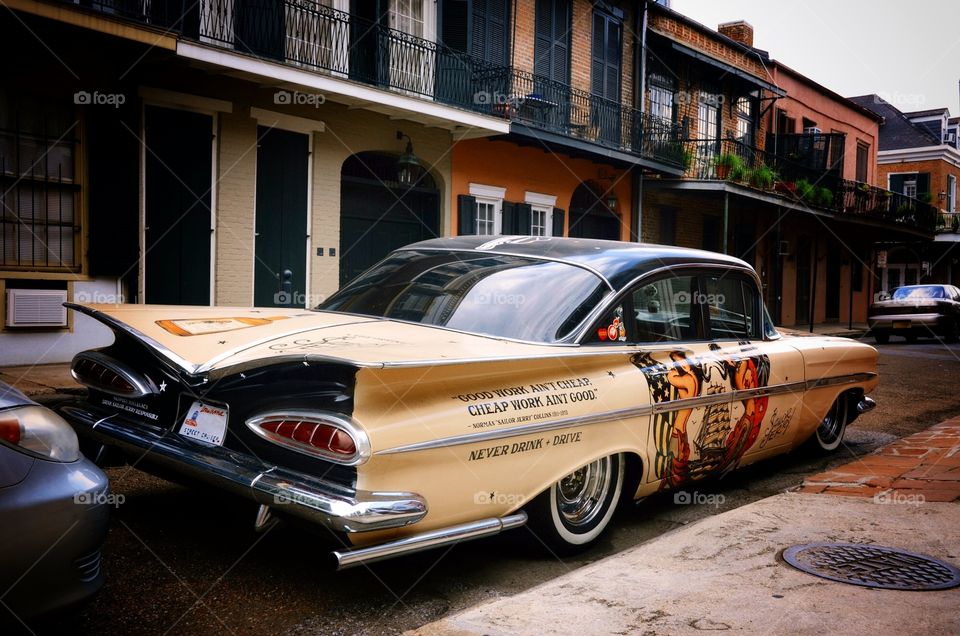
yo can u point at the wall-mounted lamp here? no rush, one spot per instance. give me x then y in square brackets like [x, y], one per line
[942, 195]
[612, 203]
[409, 169]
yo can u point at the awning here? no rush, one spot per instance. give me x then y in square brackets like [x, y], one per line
[728, 68]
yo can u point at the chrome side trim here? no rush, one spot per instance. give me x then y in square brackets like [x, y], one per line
[340, 421]
[427, 540]
[638, 411]
[315, 499]
[142, 385]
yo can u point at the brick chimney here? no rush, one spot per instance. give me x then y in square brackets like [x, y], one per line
[739, 30]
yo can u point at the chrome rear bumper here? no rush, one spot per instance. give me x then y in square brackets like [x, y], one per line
[333, 505]
[866, 404]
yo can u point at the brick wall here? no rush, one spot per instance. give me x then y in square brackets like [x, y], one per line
[581, 38]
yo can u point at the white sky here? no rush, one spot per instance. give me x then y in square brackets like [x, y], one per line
[906, 52]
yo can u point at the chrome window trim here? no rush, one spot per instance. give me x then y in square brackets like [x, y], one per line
[142, 385]
[638, 411]
[337, 420]
[604, 307]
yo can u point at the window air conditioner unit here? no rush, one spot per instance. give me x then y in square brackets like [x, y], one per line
[36, 308]
[951, 138]
[812, 130]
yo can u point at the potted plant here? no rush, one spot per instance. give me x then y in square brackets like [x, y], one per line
[726, 163]
[955, 224]
[824, 197]
[687, 160]
[763, 177]
[804, 190]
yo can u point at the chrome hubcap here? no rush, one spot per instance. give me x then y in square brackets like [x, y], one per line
[831, 425]
[580, 495]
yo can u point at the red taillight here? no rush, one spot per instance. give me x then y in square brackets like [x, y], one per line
[100, 376]
[10, 431]
[323, 437]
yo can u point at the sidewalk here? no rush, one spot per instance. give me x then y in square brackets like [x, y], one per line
[41, 380]
[724, 573]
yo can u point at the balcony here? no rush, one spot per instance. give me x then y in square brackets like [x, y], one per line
[823, 188]
[320, 39]
[542, 104]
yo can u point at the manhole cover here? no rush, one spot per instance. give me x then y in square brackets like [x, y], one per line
[872, 566]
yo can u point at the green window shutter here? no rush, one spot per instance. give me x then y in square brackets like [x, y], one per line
[523, 218]
[923, 183]
[509, 221]
[467, 215]
[558, 222]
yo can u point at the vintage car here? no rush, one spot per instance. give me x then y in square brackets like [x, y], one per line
[469, 385]
[917, 310]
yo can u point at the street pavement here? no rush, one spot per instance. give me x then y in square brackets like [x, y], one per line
[723, 573]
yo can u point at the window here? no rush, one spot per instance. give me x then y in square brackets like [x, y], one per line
[318, 35]
[664, 310]
[38, 190]
[732, 307]
[951, 194]
[412, 64]
[708, 115]
[489, 209]
[663, 90]
[407, 16]
[541, 213]
[746, 120]
[551, 52]
[910, 188]
[863, 160]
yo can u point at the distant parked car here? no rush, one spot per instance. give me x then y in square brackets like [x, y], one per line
[53, 513]
[917, 310]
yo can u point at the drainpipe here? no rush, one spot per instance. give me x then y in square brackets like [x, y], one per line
[639, 86]
[726, 219]
[813, 281]
[850, 326]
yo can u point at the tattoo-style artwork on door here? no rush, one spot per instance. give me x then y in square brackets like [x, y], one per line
[699, 441]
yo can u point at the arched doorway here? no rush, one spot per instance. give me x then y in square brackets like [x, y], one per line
[378, 214]
[590, 216]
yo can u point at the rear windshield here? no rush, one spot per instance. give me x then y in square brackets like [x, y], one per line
[490, 294]
[920, 291]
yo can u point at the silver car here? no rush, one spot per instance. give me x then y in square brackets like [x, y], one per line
[53, 514]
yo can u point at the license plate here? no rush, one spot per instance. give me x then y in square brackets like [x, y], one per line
[205, 423]
[901, 324]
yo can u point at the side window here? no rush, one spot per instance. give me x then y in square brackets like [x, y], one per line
[612, 328]
[664, 310]
[733, 308]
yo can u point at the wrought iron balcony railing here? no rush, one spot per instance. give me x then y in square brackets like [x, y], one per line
[730, 159]
[319, 38]
[544, 104]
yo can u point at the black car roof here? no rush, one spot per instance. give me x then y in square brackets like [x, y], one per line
[617, 261]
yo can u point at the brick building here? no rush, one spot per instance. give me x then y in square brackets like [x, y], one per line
[919, 157]
[778, 171]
